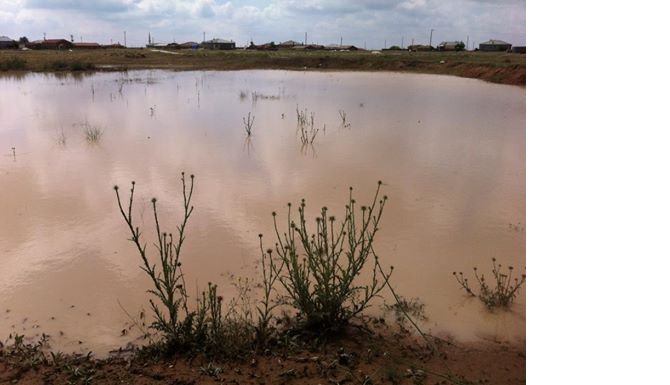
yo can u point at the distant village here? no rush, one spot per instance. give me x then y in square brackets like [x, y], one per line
[222, 44]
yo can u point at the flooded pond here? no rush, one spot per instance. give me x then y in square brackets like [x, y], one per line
[451, 153]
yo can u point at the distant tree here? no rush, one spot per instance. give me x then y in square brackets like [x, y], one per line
[394, 48]
[23, 40]
[460, 46]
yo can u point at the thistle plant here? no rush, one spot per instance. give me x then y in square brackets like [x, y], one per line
[271, 269]
[168, 279]
[322, 265]
[207, 328]
[499, 295]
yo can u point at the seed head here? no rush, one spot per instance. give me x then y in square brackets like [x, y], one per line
[154, 200]
[116, 188]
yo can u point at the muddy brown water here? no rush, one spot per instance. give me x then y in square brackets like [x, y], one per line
[451, 153]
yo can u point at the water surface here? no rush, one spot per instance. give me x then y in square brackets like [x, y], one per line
[451, 153]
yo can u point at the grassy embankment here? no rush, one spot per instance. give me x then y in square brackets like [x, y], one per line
[501, 68]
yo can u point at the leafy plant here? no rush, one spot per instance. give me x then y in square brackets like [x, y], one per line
[321, 266]
[501, 293]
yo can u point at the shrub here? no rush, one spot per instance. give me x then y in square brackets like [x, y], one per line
[318, 269]
[503, 291]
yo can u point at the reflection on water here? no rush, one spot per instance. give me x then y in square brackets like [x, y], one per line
[451, 153]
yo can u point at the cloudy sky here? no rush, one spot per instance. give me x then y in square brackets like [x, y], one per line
[360, 22]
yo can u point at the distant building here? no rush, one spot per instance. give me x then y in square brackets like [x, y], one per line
[50, 44]
[289, 44]
[7, 43]
[218, 44]
[271, 46]
[451, 46]
[339, 47]
[115, 45]
[495, 46]
[419, 47]
[87, 46]
[519, 49]
[189, 45]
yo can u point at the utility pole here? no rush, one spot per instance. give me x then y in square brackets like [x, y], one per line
[402, 42]
[71, 38]
[204, 36]
[467, 45]
[124, 39]
[305, 38]
[340, 41]
[45, 35]
[412, 41]
[384, 43]
[430, 42]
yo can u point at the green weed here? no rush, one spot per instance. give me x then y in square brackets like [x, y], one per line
[320, 266]
[499, 295]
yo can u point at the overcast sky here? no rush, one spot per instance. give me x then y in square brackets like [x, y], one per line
[359, 22]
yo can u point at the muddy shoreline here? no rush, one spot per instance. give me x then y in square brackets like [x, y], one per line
[377, 353]
[502, 68]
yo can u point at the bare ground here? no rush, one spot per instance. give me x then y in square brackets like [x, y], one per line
[374, 354]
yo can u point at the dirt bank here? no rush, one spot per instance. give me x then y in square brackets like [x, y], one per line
[377, 354]
[501, 68]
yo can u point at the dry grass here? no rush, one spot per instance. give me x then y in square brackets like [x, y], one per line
[495, 67]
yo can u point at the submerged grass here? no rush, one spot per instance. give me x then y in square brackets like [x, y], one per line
[92, 134]
[499, 295]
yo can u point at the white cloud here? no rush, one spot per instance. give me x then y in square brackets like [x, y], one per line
[359, 22]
